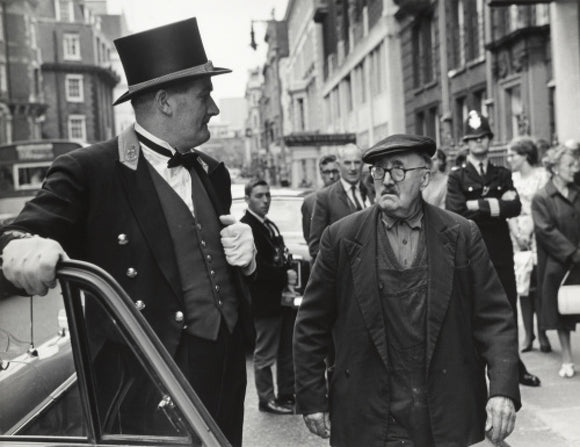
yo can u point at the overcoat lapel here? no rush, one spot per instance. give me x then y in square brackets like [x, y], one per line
[362, 255]
[340, 194]
[143, 199]
[441, 245]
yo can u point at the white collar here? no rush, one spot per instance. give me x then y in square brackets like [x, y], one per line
[347, 186]
[140, 129]
[260, 218]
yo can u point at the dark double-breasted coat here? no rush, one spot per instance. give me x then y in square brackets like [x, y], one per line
[557, 229]
[464, 184]
[469, 326]
[100, 203]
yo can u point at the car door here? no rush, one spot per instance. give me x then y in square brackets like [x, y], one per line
[104, 379]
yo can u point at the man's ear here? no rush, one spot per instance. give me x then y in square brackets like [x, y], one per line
[425, 179]
[162, 102]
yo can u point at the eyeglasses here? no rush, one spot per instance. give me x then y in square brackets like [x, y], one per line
[330, 172]
[396, 172]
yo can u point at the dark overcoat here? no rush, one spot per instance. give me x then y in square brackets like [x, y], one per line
[557, 228]
[469, 326]
[94, 195]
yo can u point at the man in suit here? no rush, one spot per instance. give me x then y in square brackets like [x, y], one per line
[153, 212]
[273, 322]
[484, 193]
[340, 199]
[409, 297]
[329, 172]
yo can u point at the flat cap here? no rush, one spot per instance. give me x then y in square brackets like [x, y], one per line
[399, 143]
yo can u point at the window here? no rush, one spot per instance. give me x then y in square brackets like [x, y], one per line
[30, 175]
[74, 88]
[460, 115]
[376, 74]
[71, 46]
[474, 31]
[360, 84]
[64, 11]
[77, 129]
[458, 33]
[423, 72]
[301, 114]
[348, 93]
[513, 111]
[3, 79]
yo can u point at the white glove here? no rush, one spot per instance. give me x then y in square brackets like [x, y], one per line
[30, 263]
[238, 242]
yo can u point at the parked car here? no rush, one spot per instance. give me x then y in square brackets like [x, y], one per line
[285, 212]
[49, 394]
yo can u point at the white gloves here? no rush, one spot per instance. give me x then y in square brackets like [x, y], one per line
[238, 242]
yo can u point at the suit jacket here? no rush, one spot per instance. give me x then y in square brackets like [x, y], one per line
[92, 195]
[464, 184]
[307, 208]
[331, 204]
[469, 325]
[270, 276]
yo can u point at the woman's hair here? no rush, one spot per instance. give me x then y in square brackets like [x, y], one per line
[442, 157]
[525, 147]
[554, 155]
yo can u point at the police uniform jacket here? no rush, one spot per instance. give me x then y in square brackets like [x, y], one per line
[469, 326]
[464, 184]
[101, 205]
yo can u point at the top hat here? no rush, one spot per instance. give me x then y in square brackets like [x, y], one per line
[476, 126]
[163, 55]
[399, 143]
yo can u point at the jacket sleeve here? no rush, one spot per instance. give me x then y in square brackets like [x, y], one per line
[548, 236]
[306, 219]
[320, 220]
[494, 328]
[312, 331]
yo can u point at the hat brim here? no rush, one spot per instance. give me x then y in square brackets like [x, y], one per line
[371, 158]
[171, 78]
[478, 135]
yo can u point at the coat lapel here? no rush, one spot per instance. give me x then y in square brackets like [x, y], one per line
[441, 244]
[343, 198]
[362, 254]
[144, 202]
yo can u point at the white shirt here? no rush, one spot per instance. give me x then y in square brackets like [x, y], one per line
[348, 189]
[178, 178]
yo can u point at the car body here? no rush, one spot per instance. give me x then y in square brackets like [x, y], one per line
[50, 395]
[286, 213]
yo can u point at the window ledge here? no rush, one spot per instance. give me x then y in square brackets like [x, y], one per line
[422, 88]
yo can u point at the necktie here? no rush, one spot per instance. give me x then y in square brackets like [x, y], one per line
[355, 199]
[177, 159]
[481, 171]
[271, 228]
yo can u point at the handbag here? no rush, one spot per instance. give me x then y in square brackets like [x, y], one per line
[523, 266]
[569, 292]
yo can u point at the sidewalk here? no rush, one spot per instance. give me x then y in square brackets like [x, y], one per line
[550, 414]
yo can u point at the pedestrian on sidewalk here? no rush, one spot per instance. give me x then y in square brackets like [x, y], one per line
[484, 192]
[274, 322]
[556, 215]
[528, 178]
[406, 293]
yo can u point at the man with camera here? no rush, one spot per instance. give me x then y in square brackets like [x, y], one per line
[273, 321]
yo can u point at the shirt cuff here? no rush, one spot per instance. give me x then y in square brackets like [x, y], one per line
[493, 207]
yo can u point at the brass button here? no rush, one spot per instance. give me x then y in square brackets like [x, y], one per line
[122, 239]
[131, 272]
[179, 316]
[140, 305]
[220, 303]
[203, 244]
[217, 288]
[198, 226]
[209, 258]
[212, 273]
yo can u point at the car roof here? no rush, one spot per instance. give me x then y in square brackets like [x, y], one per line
[238, 192]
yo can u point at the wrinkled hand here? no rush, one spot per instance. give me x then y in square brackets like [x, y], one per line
[501, 418]
[472, 205]
[318, 423]
[238, 242]
[509, 195]
[30, 263]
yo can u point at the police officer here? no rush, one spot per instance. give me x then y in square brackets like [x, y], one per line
[484, 193]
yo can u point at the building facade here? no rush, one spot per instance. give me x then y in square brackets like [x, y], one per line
[22, 115]
[77, 72]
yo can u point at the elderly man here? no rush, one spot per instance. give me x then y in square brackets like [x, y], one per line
[408, 295]
[341, 198]
[329, 172]
[153, 212]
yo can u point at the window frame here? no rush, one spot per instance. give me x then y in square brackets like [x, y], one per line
[74, 77]
[79, 117]
[75, 40]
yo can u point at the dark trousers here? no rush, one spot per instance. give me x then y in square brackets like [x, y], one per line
[274, 346]
[217, 373]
